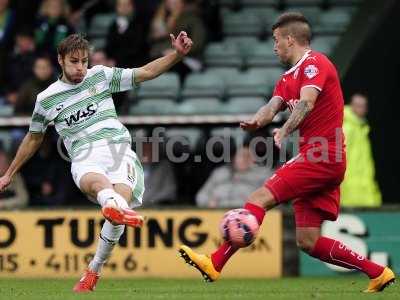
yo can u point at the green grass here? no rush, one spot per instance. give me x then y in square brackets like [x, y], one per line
[338, 288]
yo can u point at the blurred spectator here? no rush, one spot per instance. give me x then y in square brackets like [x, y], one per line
[78, 11]
[148, 8]
[211, 15]
[126, 38]
[7, 25]
[159, 178]
[162, 24]
[230, 185]
[45, 175]
[52, 26]
[99, 57]
[43, 77]
[359, 187]
[83, 11]
[21, 60]
[7, 31]
[26, 13]
[174, 16]
[15, 196]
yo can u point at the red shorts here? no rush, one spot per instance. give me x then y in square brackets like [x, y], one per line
[314, 187]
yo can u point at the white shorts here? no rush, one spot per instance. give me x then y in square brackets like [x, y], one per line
[118, 162]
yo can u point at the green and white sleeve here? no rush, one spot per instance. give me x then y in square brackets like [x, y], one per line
[39, 121]
[120, 79]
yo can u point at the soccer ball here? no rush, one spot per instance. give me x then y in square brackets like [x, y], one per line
[239, 227]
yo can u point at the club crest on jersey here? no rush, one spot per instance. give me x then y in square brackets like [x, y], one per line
[81, 115]
[92, 91]
[311, 71]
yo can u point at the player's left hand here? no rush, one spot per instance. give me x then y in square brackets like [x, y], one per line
[182, 43]
[5, 181]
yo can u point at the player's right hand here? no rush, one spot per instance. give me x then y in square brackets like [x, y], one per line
[5, 181]
[250, 125]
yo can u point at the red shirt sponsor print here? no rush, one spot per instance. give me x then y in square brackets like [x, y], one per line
[326, 119]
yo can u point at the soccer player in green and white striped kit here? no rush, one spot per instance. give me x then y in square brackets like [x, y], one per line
[103, 165]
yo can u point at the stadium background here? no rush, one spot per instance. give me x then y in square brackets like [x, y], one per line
[237, 74]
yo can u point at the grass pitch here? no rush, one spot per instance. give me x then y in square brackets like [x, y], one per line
[343, 288]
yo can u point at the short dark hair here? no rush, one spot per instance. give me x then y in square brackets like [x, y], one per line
[296, 25]
[73, 43]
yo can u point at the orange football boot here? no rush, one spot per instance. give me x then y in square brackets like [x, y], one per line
[122, 216]
[379, 283]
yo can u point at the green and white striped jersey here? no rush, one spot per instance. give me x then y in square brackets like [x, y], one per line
[84, 114]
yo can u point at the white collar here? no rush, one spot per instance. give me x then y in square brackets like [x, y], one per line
[307, 54]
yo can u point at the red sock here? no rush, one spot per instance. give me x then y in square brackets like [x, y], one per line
[334, 252]
[225, 251]
[256, 210]
[222, 255]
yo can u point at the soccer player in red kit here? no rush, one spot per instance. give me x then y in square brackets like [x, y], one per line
[311, 90]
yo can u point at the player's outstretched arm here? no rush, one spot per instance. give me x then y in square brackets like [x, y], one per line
[30, 144]
[264, 116]
[181, 45]
[308, 97]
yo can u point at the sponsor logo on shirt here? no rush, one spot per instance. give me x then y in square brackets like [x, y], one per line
[81, 115]
[311, 71]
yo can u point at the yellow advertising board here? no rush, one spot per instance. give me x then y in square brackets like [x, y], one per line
[61, 243]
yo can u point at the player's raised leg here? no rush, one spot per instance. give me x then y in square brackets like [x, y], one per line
[210, 266]
[115, 207]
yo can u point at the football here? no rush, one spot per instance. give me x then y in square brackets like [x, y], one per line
[239, 227]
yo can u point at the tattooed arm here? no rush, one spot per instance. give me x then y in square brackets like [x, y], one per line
[264, 115]
[308, 97]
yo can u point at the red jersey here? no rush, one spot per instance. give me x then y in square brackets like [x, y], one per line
[326, 119]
